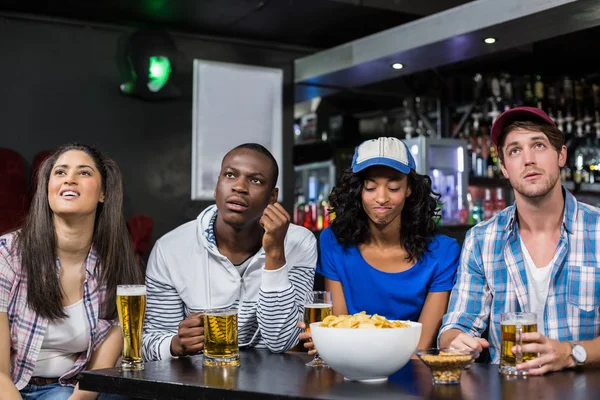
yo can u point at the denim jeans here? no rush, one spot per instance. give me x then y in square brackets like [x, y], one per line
[55, 391]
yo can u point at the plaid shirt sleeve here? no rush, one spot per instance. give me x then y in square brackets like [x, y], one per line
[7, 277]
[471, 297]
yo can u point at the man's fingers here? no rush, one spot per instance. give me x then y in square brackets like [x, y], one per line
[533, 337]
[277, 214]
[191, 332]
[191, 341]
[466, 341]
[274, 215]
[529, 348]
[535, 367]
[539, 371]
[267, 223]
[191, 323]
[193, 349]
[281, 212]
[541, 364]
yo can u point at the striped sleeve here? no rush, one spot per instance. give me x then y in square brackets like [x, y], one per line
[282, 296]
[471, 298]
[164, 309]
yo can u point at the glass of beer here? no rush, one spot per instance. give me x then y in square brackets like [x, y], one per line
[317, 307]
[221, 338]
[513, 325]
[131, 306]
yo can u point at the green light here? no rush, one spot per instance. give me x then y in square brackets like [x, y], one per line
[158, 72]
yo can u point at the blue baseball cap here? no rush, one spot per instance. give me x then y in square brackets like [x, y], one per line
[387, 151]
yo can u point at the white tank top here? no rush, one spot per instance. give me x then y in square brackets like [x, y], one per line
[63, 342]
[538, 282]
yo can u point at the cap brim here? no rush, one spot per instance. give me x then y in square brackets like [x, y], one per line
[405, 169]
[510, 116]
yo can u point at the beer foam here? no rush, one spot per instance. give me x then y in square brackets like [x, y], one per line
[320, 305]
[220, 313]
[131, 290]
[519, 322]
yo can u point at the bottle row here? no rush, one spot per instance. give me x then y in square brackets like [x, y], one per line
[574, 105]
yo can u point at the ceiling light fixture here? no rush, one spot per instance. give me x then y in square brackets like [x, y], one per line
[490, 40]
[397, 65]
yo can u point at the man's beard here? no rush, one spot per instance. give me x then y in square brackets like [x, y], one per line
[539, 190]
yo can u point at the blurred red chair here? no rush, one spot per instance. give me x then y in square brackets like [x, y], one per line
[140, 228]
[14, 201]
[37, 162]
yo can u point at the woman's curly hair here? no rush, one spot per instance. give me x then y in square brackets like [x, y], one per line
[418, 226]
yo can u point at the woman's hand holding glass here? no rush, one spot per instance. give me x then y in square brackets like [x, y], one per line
[306, 338]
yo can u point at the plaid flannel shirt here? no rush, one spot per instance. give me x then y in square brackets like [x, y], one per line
[492, 278]
[27, 329]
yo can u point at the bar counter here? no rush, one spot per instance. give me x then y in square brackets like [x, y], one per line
[263, 375]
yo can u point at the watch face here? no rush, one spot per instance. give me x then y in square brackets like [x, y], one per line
[579, 353]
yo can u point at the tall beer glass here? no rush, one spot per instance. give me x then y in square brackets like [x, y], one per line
[513, 325]
[317, 307]
[221, 338]
[131, 305]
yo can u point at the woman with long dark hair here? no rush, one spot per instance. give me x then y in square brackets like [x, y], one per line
[59, 277]
[381, 253]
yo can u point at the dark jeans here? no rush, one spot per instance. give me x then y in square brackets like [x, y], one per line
[55, 391]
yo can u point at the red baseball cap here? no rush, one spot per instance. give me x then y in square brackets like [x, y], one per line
[533, 114]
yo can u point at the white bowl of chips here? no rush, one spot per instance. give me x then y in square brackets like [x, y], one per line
[363, 347]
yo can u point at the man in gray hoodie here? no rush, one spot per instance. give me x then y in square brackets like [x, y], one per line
[240, 253]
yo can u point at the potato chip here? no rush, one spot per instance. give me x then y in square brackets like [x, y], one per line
[361, 320]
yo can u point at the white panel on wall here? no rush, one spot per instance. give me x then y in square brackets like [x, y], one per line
[233, 104]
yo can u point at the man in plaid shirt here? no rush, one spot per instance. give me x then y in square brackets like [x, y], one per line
[538, 255]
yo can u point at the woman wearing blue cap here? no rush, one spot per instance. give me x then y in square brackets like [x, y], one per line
[381, 253]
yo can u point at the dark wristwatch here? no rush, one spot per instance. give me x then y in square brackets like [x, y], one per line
[578, 353]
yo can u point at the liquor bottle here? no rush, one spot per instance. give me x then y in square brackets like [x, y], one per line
[500, 203]
[568, 90]
[450, 200]
[476, 160]
[507, 90]
[492, 163]
[528, 93]
[477, 212]
[308, 222]
[538, 92]
[560, 121]
[299, 210]
[471, 220]
[518, 87]
[552, 97]
[495, 89]
[488, 205]
[569, 122]
[494, 112]
[596, 96]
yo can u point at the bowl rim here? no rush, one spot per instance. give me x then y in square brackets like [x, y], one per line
[456, 351]
[413, 324]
